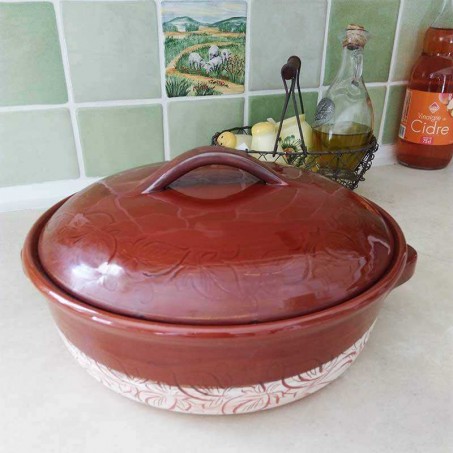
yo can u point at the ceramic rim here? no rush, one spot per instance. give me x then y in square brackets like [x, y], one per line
[75, 307]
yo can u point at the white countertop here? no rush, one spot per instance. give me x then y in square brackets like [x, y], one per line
[397, 397]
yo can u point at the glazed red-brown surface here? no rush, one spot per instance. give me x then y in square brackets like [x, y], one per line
[219, 356]
[211, 359]
[189, 243]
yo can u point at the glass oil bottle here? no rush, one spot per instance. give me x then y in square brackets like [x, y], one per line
[344, 116]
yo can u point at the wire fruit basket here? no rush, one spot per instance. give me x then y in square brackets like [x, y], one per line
[346, 166]
[333, 164]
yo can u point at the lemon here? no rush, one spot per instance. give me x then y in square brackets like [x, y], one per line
[263, 128]
[227, 139]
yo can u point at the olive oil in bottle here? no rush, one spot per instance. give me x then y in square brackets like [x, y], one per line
[346, 136]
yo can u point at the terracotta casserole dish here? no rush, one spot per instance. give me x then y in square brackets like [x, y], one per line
[214, 283]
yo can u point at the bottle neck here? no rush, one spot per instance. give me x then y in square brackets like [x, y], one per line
[445, 18]
[351, 64]
[439, 37]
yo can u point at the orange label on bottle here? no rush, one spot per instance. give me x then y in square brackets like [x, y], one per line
[427, 118]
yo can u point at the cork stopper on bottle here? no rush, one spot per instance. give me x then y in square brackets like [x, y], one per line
[355, 36]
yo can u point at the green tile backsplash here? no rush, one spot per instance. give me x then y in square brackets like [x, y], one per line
[81, 81]
[113, 50]
[377, 95]
[118, 138]
[31, 70]
[282, 29]
[36, 146]
[271, 106]
[193, 123]
[393, 113]
[379, 18]
[416, 18]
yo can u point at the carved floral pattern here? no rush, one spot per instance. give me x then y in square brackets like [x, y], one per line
[231, 252]
[220, 401]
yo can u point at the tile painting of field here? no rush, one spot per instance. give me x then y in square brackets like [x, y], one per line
[204, 47]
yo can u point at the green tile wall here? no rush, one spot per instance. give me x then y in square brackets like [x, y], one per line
[36, 146]
[118, 138]
[379, 17]
[271, 106]
[31, 70]
[416, 18]
[113, 50]
[393, 113]
[282, 29]
[193, 123]
[81, 81]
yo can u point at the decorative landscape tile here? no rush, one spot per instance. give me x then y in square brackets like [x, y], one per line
[118, 138]
[31, 69]
[113, 50]
[281, 29]
[36, 146]
[204, 47]
[194, 123]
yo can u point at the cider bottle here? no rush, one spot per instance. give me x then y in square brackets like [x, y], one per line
[426, 131]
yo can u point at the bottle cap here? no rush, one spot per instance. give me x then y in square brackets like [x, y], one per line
[355, 35]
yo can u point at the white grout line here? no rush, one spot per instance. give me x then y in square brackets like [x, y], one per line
[374, 84]
[398, 82]
[205, 98]
[280, 91]
[67, 73]
[138, 102]
[117, 103]
[248, 46]
[324, 50]
[165, 118]
[393, 59]
[391, 70]
[71, 1]
[31, 108]
[91, 1]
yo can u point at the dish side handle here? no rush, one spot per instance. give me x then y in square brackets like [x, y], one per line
[409, 268]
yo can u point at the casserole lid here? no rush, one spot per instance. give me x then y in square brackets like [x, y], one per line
[215, 237]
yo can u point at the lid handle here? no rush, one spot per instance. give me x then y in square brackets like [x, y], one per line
[209, 155]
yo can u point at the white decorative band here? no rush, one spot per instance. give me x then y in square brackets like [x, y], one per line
[215, 400]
